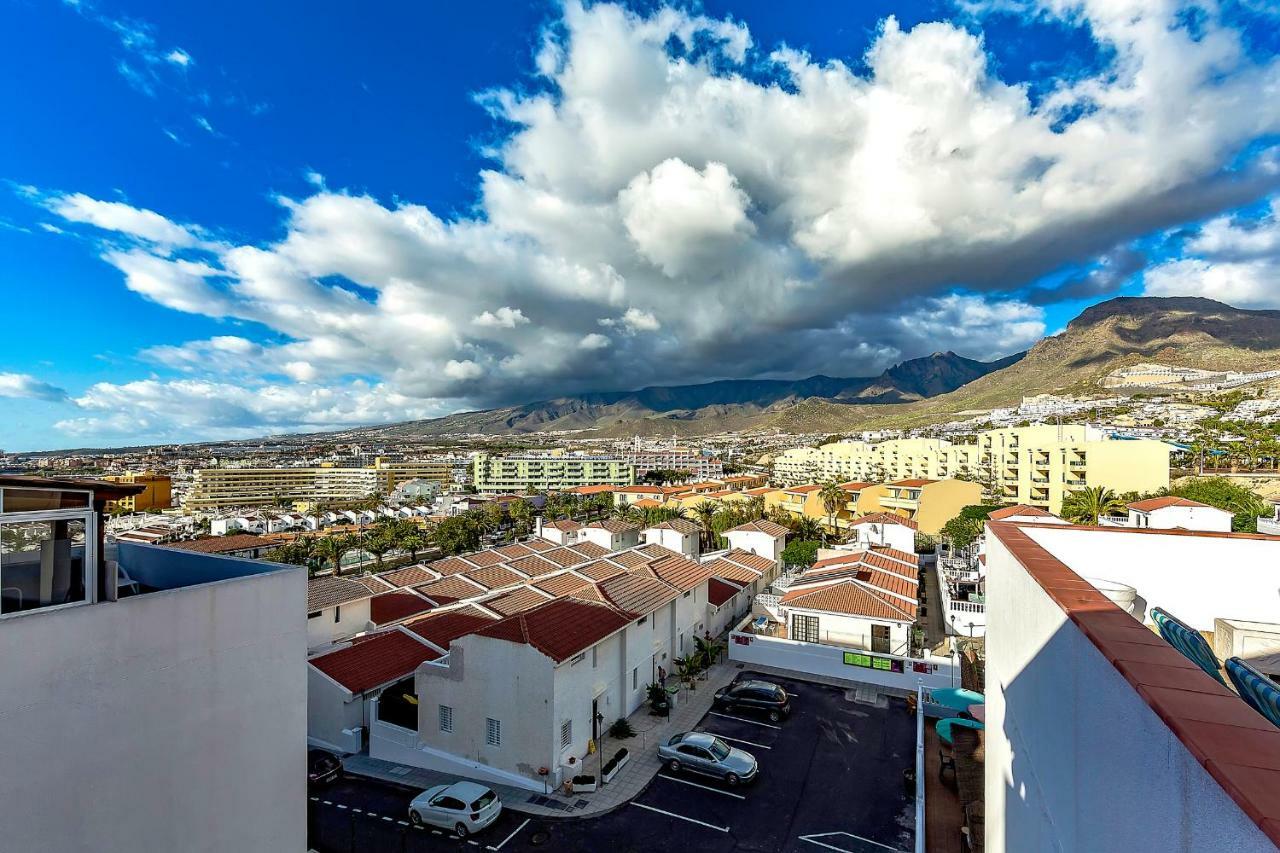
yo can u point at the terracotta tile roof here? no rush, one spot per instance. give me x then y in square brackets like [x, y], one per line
[884, 518]
[680, 525]
[630, 559]
[409, 576]
[534, 565]
[913, 484]
[594, 490]
[559, 629]
[396, 606]
[654, 551]
[647, 503]
[757, 562]
[730, 571]
[1235, 745]
[450, 566]
[568, 525]
[441, 629]
[681, 572]
[562, 584]
[850, 598]
[762, 526]
[451, 589]
[637, 594]
[719, 591]
[615, 525]
[759, 491]
[493, 577]
[539, 545]
[640, 490]
[516, 601]
[485, 558]
[329, 591]
[223, 544]
[598, 570]
[1153, 504]
[1016, 509]
[855, 486]
[803, 490]
[373, 583]
[590, 550]
[588, 593]
[565, 557]
[382, 659]
[512, 551]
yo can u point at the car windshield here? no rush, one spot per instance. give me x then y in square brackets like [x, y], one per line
[485, 798]
[719, 749]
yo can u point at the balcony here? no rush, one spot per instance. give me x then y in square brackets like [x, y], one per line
[897, 502]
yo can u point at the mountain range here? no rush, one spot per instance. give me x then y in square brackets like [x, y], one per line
[1188, 331]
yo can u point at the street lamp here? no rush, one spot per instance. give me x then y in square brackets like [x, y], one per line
[600, 744]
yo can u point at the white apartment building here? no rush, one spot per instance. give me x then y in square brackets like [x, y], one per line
[1036, 465]
[1101, 736]
[152, 697]
[226, 488]
[546, 472]
[700, 467]
[612, 534]
[1173, 513]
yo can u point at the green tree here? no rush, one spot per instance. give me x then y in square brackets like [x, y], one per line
[521, 512]
[1087, 505]
[800, 554]
[457, 534]
[705, 513]
[332, 549]
[1244, 504]
[961, 531]
[378, 542]
[804, 527]
[833, 500]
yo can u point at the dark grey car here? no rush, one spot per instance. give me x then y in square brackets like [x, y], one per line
[763, 697]
[700, 752]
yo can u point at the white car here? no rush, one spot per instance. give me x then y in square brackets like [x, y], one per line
[463, 807]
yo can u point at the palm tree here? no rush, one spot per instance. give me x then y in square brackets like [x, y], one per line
[413, 541]
[333, 548]
[805, 528]
[833, 500]
[705, 512]
[378, 542]
[1087, 505]
[627, 512]
[708, 650]
[521, 512]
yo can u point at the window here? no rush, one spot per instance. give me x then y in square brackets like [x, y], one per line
[804, 628]
[566, 734]
[880, 638]
[493, 731]
[315, 615]
[446, 719]
[635, 678]
[687, 594]
[337, 614]
[642, 620]
[595, 656]
[577, 659]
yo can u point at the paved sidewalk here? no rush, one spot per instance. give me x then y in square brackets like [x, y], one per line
[643, 765]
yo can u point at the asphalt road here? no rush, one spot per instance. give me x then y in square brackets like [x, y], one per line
[831, 779]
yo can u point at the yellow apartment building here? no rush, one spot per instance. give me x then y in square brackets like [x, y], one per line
[157, 494]
[929, 503]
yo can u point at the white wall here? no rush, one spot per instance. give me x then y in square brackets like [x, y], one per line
[897, 536]
[688, 544]
[852, 630]
[598, 674]
[352, 618]
[1187, 517]
[828, 661]
[756, 542]
[332, 712]
[1075, 759]
[174, 720]
[1196, 578]
[605, 539]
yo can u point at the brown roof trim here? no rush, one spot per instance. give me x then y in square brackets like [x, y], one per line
[102, 489]
[1146, 531]
[1234, 744]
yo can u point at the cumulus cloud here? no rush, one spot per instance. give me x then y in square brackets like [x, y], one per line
[23, 385]
[723, 210]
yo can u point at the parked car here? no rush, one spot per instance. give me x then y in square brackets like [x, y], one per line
[707, 754]
[323, 767]
[463, 807]
[763, 696]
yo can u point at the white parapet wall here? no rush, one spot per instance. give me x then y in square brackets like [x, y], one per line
[817, 659]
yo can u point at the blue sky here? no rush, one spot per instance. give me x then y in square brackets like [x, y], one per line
[233, 220]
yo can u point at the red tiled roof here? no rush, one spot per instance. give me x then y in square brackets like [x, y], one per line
[534, 565]
[568, 525]
[329, 591]
[655, 551]
[512, 551]
[913, 484]
[630, 559]
[223, 544]
[565, 556]
[373, 583]
[885, 518]
[559, 629]
[395, 606]
[762, 526]
[640, 490]
[1016, 509]
[381, 659]
[451, 566]
[485, 558]
[718, 591]
[637, 594]
[441, 629]
[493, 577]
[647, 503]
[851, 598]
[601, 569]
[590, 550]
[516, 601]
[615, 525]
[680, 525]
[409, 576]
[1235, 745]
[681, 572]
[855, 486]
[593, 490]
[803, 490]
[1153, 504]
[751, 560]
[539, 545]
[451, 589]
[562, 584]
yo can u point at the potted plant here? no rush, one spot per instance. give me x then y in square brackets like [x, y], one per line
[614, 765]
[583, 784]
[659, 701]
[621, 729]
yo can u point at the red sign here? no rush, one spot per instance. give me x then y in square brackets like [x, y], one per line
[742, 639]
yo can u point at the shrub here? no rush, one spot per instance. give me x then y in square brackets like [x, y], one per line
[621, 729]
[613, 762]
[584, 780]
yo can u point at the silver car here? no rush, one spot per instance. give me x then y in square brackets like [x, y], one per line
[463, 807]
[707, 754]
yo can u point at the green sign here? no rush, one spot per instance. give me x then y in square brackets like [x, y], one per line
[873, 662]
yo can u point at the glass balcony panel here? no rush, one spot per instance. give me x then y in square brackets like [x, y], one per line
[42, 564]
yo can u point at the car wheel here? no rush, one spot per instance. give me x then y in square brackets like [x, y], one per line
[415, 818]
[673, 766]
[461, 830]
[774, 716]
[731, 779]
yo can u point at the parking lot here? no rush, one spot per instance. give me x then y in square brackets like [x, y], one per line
[831, 779]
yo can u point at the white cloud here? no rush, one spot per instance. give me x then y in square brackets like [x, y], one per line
[23, 385]
[727, 211]
[503, 318]
[179, 57]
[203, 123]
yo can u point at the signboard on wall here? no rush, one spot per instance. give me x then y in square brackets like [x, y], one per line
[869, 661]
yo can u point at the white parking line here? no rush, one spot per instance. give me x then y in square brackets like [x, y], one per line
[740, 740]
[356, 810]
[813, 839]
[371, 814]
[703, 787]
[387, 819]
[511, 836]
[315, 799]
[403, 822]
[341, 806]
[682, 817]
[745, 720]
[328, 802]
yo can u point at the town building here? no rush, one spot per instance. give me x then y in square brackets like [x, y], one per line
[1174, 513]
[153, 698]
[547, 472]
[157, 493]
[1099, 734]
[612, 534]
[227, 488]
[695, 465]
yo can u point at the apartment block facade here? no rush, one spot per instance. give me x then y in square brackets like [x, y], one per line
[548, 472]
[225, 488]
[157, 492]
